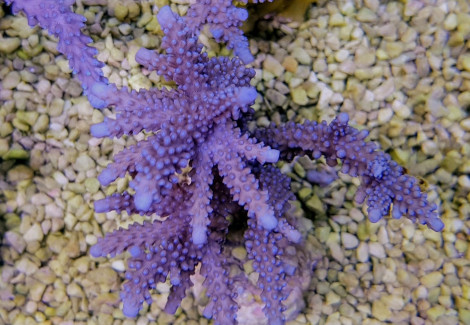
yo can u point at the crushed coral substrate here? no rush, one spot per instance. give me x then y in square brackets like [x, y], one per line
[400, 69]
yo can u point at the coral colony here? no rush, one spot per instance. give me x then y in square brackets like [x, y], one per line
[205, 174]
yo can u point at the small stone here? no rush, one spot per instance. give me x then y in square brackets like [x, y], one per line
[290, 64]
[464, 315]
[465, 124]
[322, 233]
[134, 9]
[82, 264]
[325, 96]
[144, 19]
[315, 204]
[337, 20]
[384, 115]
[320, 65]
[400, 109]
[349, 240]
[118, 266]
[450, 23]
[381, 311]
[435, 312]
[365, 15]
[301, 55]
[332, 298]
[349, 280]
[70, 221]
[362, 252]
[34, 233]
[102, 275]
[295, 82]
[120, 11]
[42, 123]
[92, 185]
[139, 81]
[36, 291]
[45, 275]
[27, 117]
[464, 99]
[385, 90]
[432, 279]
[9, 44]
[16, 154]
[299, 96]
[394, 49]
[11, 80]
[16, 241]
[304, 193]
[412, 8]
[20, 173]
[341, 55]
[275, 97]
[429, 147]
[56, 108]
[372, 4]
[74, 290]
[364, 57]
[377, 250]
[464, 181]
[465, 61]
[457, 38]
[4, 147]
[84, 163]
[336, 251]
[26, 266]
[60, 178]
[443, 176]
[272, 65]
[239, 253]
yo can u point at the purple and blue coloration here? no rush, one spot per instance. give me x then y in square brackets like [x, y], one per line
[203, 171]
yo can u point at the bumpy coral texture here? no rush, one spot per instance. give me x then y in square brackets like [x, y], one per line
[203, 173]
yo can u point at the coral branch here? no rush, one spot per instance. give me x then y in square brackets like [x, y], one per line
[383, 181]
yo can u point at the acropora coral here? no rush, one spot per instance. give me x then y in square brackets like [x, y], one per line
[199, 128]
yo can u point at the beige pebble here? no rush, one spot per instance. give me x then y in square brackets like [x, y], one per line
[465, 62]
[325, 95]
[272, 65]
[341, 55]
[34, 233]
[450, 23]
[26, 266]
[380, 310]
[9, 44]
[84, 163]
[385, 90]
[364, 57]
[301, 55]
[290, 64]
[349, 240]
[299, 96]
[239, 253]
[432, 279]
[385, 115]
[11, 80]
[377, 250]
[366, 15]
[16, 241]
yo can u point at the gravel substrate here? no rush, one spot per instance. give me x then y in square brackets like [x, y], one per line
[399, 68]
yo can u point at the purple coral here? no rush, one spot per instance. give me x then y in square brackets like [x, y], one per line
[383, 181]
[230, 179]
[224, 20]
